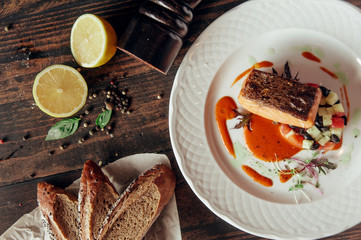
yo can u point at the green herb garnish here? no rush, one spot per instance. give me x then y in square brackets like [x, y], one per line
[103, 118]
[244, 119]
[62, 129]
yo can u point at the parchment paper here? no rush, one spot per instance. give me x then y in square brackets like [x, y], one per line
[120, 173]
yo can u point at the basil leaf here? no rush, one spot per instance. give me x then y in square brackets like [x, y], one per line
[103, 118]
[62, 129]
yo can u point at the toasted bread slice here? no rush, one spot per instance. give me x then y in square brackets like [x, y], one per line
[280, 99]
[96, 196]
[60, 211]
[140, 204]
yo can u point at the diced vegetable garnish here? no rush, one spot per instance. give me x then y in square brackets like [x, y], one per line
[327, 120]
[332, 98]
[327, 129]
[337, 131]
[335, 138]
[307, 144]
[322, 111]
[313, 131]
[327, 133]
[330, 111]
[323, 101]
[290, 133]
[338, 122]
[324, 140]
[318, 137]
[338, 108]
[325, 91]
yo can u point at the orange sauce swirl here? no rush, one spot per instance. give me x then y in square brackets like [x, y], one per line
[265, 141]
[224, 111]
[255, 66]
[265, 181]
[311, 56]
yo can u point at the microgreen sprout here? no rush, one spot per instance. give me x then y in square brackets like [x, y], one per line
[305, 171]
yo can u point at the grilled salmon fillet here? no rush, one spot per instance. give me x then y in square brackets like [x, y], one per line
[280, 99]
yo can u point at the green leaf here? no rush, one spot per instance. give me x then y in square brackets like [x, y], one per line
[62, 129]
[103, 118]
[295, 187]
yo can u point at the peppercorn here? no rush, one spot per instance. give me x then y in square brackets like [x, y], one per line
[109, 106]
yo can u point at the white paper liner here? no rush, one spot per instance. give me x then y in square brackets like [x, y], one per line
[120, 173]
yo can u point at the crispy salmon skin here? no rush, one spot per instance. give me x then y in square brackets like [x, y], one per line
[280, 99]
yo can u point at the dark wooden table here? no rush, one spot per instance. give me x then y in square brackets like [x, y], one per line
[34, 35]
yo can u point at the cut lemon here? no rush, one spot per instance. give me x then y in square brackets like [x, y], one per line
[60, 91]
[92, 41]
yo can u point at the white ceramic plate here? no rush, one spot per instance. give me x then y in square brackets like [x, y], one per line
[279, 47]
[225, 49]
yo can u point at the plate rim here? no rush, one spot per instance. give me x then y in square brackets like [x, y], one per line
[175, 143]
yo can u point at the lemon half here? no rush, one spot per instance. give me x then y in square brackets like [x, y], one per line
[92, 41]
[60, 91]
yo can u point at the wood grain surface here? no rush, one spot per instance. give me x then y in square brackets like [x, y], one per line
[35, 34]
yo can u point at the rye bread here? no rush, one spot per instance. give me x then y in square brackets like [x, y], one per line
[139, 206]
[60, 212]
[96, 196]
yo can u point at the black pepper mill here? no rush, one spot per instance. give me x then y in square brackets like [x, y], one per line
[155, 34]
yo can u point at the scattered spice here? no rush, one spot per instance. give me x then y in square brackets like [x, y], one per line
[26, 137]
[63, 146]
[8, 27]
[100, 163]
[85, 124]
[51, 152]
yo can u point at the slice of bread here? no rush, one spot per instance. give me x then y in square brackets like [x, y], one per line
[96, 196]
[60, 211]
[140, 204]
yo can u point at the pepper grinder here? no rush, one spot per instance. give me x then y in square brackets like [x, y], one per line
[155, 34]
